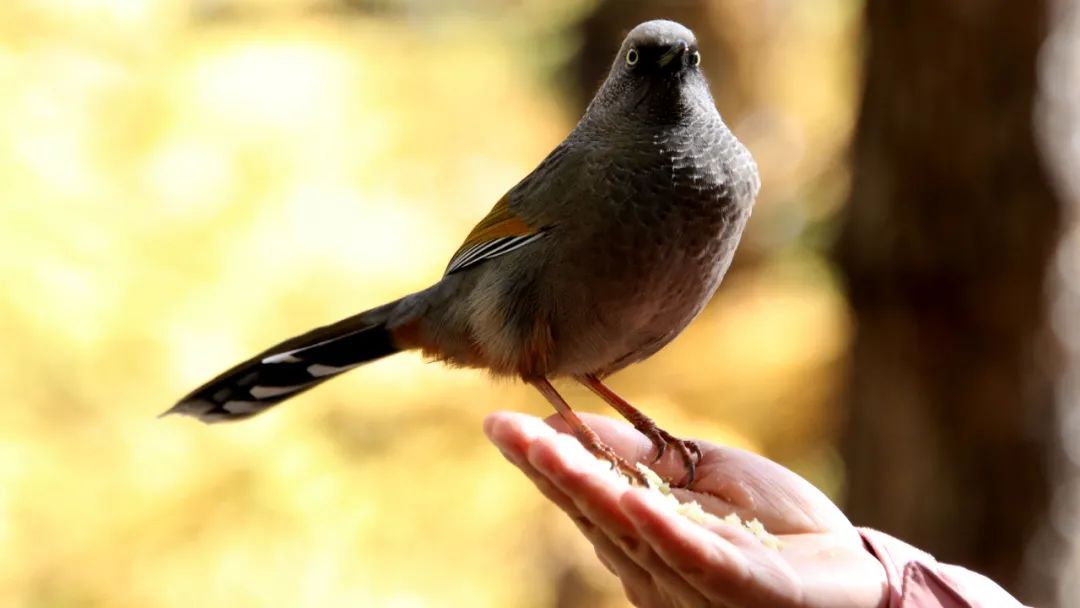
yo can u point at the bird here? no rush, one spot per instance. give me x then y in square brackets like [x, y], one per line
[595, 260]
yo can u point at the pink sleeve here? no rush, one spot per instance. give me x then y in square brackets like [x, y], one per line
[917, 580]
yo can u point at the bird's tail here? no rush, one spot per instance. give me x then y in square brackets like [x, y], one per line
[291, 368]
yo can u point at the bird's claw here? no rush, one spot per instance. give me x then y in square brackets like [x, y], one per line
[687, 449]
[618, 463]
[695, 448]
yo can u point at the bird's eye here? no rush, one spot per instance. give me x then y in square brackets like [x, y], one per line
[632, 57]
[695, 59]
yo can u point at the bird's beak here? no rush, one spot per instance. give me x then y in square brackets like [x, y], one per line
[674, 52]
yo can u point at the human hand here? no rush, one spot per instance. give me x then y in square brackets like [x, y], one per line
[666, 560]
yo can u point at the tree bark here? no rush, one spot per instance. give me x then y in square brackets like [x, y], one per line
[1054, 559]
[946, 248]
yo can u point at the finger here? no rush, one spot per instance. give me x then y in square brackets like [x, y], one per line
[732, 480]
[716, 493]
[593, 487]
[596, 493]
[643, 587]
[512, 434]
[709, 562]
[638, 584]
[615, 558]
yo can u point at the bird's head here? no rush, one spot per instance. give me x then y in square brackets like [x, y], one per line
[657, 67]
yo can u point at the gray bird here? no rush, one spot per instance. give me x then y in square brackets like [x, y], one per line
[596, 260]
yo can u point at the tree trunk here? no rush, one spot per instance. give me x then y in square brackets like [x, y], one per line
[1054, 559]
[946, 248]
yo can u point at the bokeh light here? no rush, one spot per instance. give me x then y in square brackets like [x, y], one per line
[186, 183]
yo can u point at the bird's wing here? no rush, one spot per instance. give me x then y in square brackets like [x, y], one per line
[499, 233]
[527, 212]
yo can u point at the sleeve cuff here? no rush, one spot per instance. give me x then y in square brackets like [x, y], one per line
[917, 580]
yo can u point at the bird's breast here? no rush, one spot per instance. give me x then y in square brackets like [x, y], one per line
[655, 240]
[671, 210]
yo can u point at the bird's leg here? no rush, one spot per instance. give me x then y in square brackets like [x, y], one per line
[660, 438]
[585, 435]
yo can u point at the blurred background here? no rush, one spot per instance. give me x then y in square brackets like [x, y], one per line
[185, 182]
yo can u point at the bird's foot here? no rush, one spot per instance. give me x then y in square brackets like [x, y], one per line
[687, 449]
[618, 463]
[585, 435]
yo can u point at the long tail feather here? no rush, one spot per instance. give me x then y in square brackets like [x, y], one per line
[289, 369]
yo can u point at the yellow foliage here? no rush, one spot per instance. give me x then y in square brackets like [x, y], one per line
[177, 196]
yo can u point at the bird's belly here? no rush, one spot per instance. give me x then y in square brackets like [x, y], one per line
[638, 292]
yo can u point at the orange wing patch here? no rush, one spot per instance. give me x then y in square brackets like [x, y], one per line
[499, 222]
[501, 231]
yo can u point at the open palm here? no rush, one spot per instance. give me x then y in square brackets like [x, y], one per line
[664, 559]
